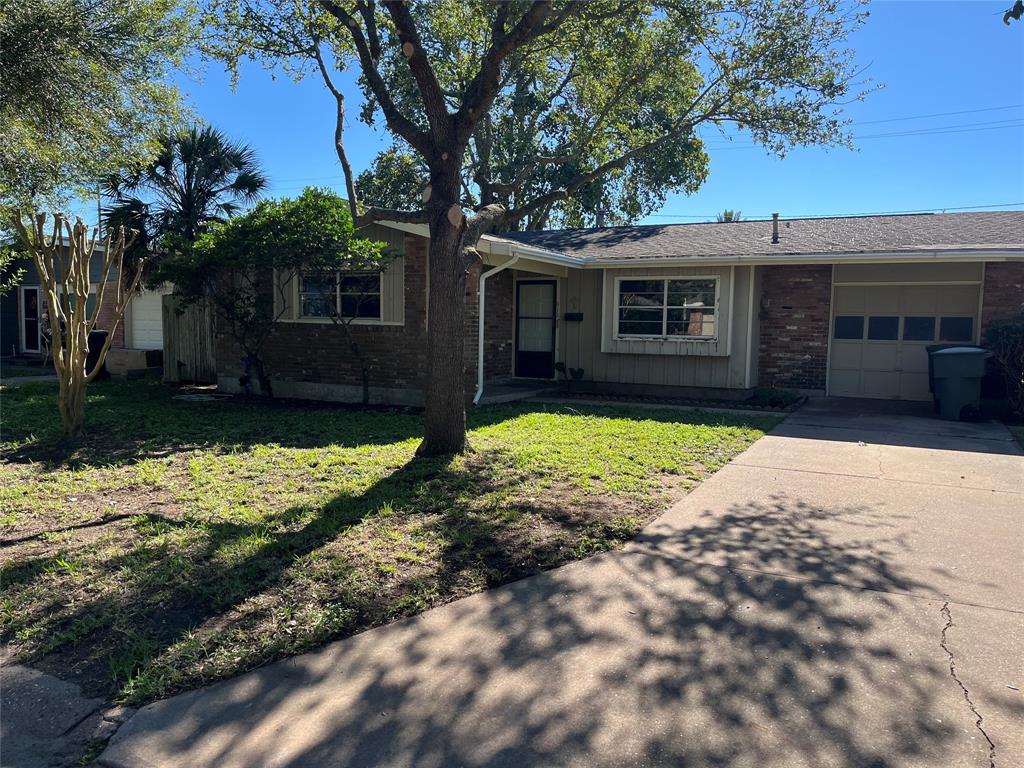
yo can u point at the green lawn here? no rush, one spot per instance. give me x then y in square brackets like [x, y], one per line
[182, 542]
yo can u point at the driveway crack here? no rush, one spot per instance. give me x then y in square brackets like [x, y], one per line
[979, 721]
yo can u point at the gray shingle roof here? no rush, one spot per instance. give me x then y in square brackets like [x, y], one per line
[990, 230]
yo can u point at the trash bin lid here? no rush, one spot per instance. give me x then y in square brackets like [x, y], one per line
[962, 351]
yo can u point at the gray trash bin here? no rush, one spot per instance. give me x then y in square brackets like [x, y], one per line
[957, 372]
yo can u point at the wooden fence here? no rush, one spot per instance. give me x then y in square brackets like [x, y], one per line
[189, 350]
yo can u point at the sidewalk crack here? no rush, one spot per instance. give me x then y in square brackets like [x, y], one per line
[979, 721]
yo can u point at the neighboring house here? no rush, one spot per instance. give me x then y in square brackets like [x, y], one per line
[842, 306]
[22, 319]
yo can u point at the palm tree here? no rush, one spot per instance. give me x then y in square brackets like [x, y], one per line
[199, 176]
[728, 215]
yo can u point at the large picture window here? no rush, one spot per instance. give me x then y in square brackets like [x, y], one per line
[669, 308]
[350, 295]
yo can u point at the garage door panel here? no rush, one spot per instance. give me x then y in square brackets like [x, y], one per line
[146, 315]
[845, 383]
[914, 386]
[873, 367]
[918, 300]
[882, 300]
[880, 357]
[885, 384]
[846, 354]
[849, 300]
[958, 299]
[914, 358]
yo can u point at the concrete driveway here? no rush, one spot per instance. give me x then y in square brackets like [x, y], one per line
[848, 592]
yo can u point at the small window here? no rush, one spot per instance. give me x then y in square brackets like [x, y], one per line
[883, 328]
[360, 295]
[668, 308]
[317, 297]
[919, 329]
[849, 327]
[956, 329]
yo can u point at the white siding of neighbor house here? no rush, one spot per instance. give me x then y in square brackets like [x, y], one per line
[720, 363]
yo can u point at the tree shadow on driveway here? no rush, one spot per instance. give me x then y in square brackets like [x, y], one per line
[753, 638]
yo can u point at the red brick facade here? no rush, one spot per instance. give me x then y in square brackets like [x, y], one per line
[498, 324]
[794, 321]
[105, 317]
[1003, 296]
[396, 354]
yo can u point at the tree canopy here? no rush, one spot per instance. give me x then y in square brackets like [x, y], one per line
[537, 112]
[233, 263]
[198, 177]
[85, 89]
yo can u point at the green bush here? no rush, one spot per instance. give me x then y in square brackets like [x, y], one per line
[1006, 340]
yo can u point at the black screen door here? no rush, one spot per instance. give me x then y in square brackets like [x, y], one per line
[30, 318]
[535, 329]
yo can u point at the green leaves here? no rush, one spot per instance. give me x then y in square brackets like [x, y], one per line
[85, 89]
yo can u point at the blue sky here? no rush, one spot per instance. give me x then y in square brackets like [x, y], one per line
[932, 58]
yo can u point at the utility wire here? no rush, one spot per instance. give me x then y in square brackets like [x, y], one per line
[936, 209]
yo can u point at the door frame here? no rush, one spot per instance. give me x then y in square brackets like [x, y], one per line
[980, 283]
[553, 281]
[39, 319]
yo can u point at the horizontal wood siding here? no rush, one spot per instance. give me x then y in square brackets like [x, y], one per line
[704, 364]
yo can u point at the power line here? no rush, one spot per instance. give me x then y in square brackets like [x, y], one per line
[938, 114]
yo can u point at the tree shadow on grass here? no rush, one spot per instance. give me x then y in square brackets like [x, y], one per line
[225, 580]
[752, 638]
[130, 422]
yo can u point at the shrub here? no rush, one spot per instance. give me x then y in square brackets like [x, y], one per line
[1006, 341]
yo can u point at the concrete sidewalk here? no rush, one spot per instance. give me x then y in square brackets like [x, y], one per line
[848, 592]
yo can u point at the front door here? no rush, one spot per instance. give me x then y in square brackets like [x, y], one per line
[30, 319]
[535, 329]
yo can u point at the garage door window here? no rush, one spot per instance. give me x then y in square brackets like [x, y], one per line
[883, 328]
[956, 329]
[919, 329]
[849, 327]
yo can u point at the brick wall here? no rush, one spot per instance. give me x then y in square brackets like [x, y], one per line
[794, 322]
[498, 324]
[105, 318]
[1003, 297]
[319, 352]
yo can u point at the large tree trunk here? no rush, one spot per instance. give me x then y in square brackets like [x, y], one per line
[71, 403]
[445, 392]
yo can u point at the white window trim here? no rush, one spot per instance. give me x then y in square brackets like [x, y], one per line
[616, 336]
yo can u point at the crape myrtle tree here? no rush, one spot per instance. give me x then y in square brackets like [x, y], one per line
[244, 266]
[62, 254]
[533, 113]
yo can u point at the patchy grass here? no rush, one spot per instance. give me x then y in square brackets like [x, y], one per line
[13, 371]
[182, 542]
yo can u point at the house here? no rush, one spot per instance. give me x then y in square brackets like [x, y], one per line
[22, 321]
[838, 306]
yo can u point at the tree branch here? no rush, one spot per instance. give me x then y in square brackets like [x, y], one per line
[396, 120]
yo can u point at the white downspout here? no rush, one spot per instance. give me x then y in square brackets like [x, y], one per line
[480, 327]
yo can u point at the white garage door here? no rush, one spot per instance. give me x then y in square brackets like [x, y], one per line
[146, 321]
[880, 332]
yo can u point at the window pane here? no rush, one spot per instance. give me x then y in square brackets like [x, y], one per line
[641, 293]
[640, 322]
[360, 283]
[883, 328]
[691, 293]
[316, 297]
[956, 329]
[536, 335]
[918, 328]
[849, 327]
[639, 328]
[360, 305]
[691, 322]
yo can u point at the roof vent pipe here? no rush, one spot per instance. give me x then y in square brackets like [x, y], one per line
[775, 227]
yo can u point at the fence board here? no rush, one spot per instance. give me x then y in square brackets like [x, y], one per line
[188, 342]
